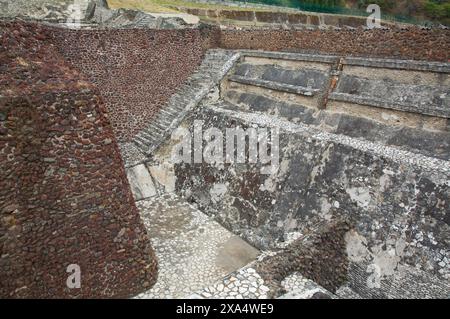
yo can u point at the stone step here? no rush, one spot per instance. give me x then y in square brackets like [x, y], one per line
[165, 121]
[152, 136]
[139, 144]
[283, 87]
[167, 112]
[188, 95]
[154, 128]
[144, 141]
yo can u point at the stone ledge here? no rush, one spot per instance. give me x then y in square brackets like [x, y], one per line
[430, 143]
[426, 110]
[409, 65]
[430, 164]
[275, 86]
[291, 56]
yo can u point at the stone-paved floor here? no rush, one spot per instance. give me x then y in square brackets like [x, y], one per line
[193, 250]
[200, 259]
[299, 287]
[245, 283]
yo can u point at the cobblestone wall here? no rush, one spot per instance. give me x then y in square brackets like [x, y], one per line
[64, 196]
[135, 70]
[138, 70]
[413, 43]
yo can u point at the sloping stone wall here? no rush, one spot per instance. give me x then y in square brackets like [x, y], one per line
[64, 195]
[136, 71]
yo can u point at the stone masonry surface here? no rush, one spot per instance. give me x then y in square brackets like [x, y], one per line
[397, 202]
[333, 177]
[64, 193]
[64, 196]
[213, 68]
[396, 102]
[409, 43]
[136, 71]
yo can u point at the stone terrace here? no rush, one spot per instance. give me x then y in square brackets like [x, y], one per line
[347, 215]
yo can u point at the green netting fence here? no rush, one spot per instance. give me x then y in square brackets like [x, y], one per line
[313, 7]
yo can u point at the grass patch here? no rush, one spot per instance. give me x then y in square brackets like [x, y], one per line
[143, 5]
[162, 6]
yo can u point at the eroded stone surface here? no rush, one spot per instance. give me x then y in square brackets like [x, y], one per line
[141, 182]
[357, 216]
[352, 215]
[345, 177]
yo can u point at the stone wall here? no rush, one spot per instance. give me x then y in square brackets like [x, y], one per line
[64, 195]
[138, 70]
[413, 43]
[135, 70]
[282, 17]
[347, 196]
[47, 10]
[394, 102]
[395, 202]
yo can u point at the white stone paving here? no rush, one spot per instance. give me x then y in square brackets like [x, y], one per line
[193, 251]
[243, 284]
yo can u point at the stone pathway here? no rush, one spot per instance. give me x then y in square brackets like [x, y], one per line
[299, 287]
[193, 250]
[246, 283]
[200, 259]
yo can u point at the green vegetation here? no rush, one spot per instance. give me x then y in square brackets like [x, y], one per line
[144, 5]
[438, 9]
[413, 11]
[435, 10]
[409, 11]
[162, 6]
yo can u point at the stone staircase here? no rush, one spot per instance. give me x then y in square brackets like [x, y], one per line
[405, 104]
[214, 66]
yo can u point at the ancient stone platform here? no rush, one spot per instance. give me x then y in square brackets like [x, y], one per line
[359, 205]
